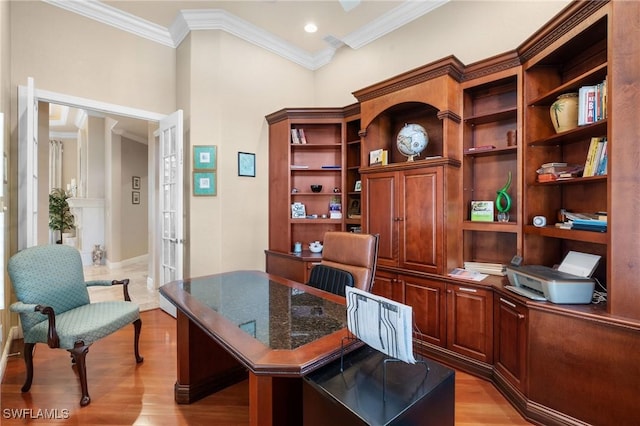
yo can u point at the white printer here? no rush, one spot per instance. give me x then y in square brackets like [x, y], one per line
[571, 283]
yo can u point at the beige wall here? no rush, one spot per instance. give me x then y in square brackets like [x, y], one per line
[134, 217]
[5, 107]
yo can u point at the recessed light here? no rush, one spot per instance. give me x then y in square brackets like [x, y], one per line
[311, 27]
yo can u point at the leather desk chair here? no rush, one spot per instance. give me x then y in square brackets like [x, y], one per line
[353, 253]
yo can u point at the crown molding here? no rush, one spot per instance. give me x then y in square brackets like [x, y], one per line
[218, 19]
[117, 18]
[396, 18]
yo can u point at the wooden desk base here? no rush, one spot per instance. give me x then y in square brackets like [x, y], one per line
[205, 367]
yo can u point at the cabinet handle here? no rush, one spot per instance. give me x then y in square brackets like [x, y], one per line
[520, 316]
[470, 290]
[506, 302]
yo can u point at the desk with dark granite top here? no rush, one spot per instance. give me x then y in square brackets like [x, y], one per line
[250, 322]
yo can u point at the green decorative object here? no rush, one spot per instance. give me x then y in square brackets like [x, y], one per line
[503, 201]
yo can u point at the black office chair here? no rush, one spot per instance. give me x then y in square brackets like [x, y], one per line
[330, 279]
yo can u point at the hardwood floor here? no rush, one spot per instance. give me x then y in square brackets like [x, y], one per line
[125, 393]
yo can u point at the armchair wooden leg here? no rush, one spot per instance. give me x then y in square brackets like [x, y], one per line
[28, 361]
[137, 325]
[79, 353]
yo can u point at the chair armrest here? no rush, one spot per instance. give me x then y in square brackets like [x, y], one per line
[52, 335]
[125, 287]
[107, 283]
[27, 308]
[23, 308]
[101, 283]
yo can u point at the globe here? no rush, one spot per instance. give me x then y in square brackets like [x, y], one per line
[412, 140]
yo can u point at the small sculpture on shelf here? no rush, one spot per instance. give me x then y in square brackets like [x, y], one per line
[503, 201]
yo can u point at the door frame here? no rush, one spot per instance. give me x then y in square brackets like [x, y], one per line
[109, 108]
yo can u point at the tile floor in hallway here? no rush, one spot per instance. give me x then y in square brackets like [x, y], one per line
[136, 272]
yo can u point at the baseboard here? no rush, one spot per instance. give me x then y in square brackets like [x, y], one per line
[14, 333]
[126, 262]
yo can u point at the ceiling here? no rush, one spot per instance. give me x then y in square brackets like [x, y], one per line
[275, 25]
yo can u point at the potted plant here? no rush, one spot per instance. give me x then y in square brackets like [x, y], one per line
[60, 217]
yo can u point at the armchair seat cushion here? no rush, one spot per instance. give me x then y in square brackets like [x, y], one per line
[86, 323]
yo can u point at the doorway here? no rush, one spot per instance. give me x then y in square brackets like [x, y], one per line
[29, 98]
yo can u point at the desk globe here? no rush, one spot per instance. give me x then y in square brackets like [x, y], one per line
[412, 140]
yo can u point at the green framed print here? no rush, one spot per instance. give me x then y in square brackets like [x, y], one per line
[246, 164]
[204, 184]
[204, 157]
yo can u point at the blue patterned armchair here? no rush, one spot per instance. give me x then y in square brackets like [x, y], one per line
[54, 307]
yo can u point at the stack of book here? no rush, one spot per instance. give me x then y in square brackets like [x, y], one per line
[486, 268]
[592, 103]
[549, 172]
[596, 222]
[596, 162]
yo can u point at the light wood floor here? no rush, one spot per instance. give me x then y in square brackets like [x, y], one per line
[123, 393]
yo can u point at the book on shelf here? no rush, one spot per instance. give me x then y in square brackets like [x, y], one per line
[593, 156]
[299, 166]
[331, 166]
[601, 168]
[547, 177]
[482, 211]
[592, 103]
[466, 274]
[557, 170]
[295, 138]
[301, 135]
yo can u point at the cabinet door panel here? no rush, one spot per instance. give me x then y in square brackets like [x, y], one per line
[428, 301]
[380, 206]
[470, 322]
[387, 285]
[421, 231]
[510, 340]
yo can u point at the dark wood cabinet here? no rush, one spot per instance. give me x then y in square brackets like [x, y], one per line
[428, 301]
[470, 321]
[510, 340]
[388, 285]
[406, 208]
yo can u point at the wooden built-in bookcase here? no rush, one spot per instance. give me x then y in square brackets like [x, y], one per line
[558, 364]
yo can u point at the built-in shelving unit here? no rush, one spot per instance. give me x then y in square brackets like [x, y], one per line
[491, 118]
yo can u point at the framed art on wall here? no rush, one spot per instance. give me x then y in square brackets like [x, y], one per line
[246, 164]
[135, 182]
[135, 197]
[204, 157]
[204, 184]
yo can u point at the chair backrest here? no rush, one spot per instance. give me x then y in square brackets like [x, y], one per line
[330, 279]
[354, 253]
[48, 275]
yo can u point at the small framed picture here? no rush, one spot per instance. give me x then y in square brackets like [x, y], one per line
[204, 157]
[135, 197]
[204, 184]
[135, 182]
[246, 164]
[358, 186]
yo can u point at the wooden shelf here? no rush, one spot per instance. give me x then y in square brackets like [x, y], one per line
[577, 134]
[597, 73]
[500, 115]
[509, 227]
[568, 234]
[495, 151]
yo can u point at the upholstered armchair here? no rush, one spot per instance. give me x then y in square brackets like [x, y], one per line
[354, 253]
[54, 307]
